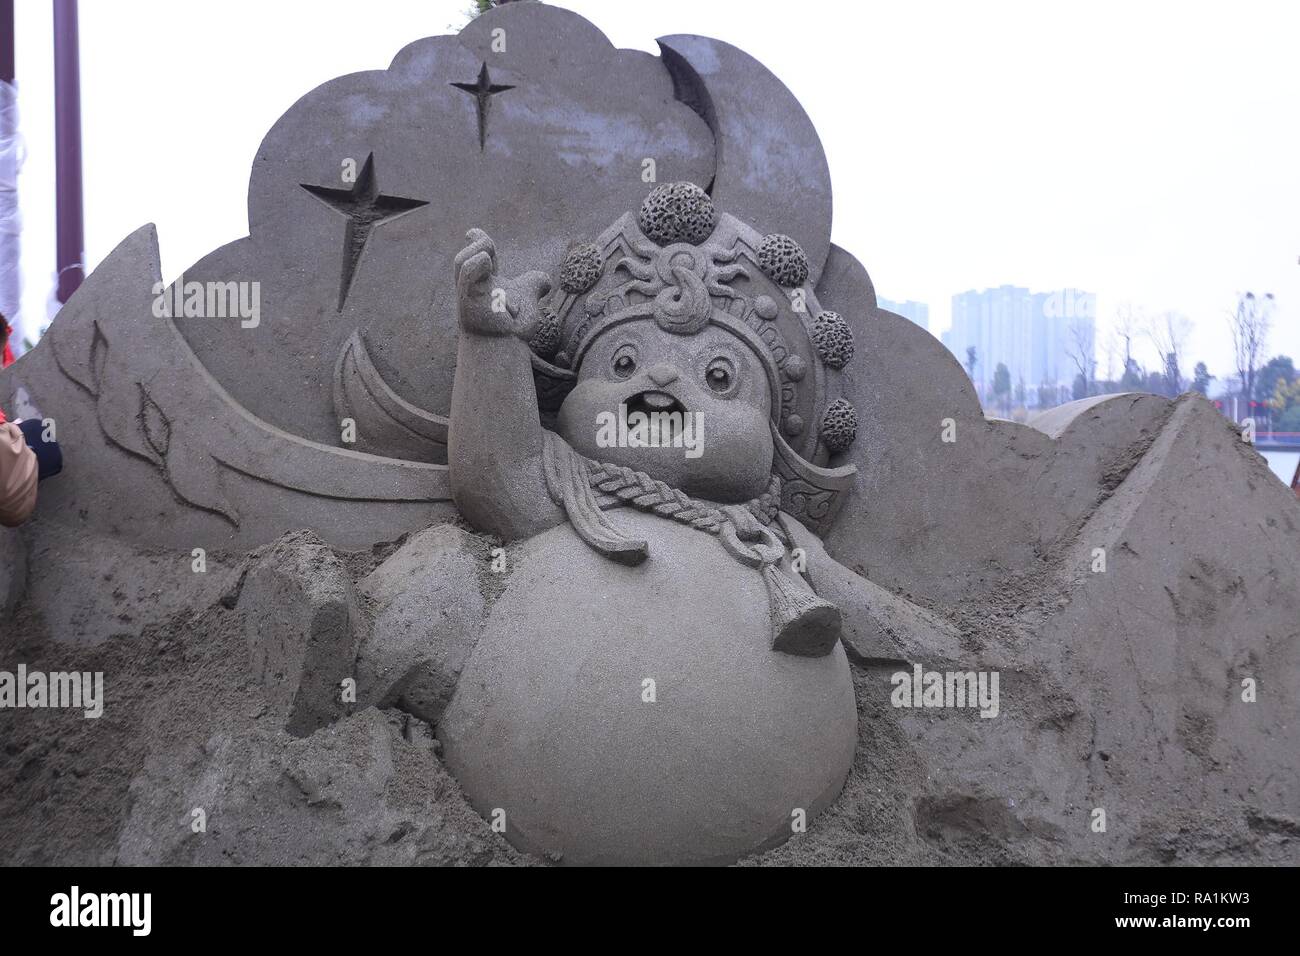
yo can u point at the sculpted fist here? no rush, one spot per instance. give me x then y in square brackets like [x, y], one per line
[490, 305]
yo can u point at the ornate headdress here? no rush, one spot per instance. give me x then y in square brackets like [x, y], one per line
[683, 265]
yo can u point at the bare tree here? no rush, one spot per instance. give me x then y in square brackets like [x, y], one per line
[1111, 349]
[1080, 347]
[1249, 325]
[1169, 333]
[1129, 323]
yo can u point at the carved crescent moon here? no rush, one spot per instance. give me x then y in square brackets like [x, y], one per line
[770, 168]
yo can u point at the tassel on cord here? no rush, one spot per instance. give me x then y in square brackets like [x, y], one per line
[802, 623]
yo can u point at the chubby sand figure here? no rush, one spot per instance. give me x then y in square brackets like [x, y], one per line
[659, 682]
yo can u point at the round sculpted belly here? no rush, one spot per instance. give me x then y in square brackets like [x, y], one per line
[618, 714]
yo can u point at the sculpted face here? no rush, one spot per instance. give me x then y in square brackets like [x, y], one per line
[689, 410]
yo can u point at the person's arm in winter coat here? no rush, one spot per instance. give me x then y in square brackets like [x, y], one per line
[19, 472]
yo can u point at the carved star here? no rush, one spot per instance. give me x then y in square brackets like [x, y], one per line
[483, 89]
[365, 208]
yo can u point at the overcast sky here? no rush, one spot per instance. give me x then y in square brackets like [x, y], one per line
[1148, 152]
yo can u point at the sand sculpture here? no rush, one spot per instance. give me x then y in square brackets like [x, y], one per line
[645, 556]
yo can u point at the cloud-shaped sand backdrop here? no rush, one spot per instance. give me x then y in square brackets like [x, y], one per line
[568, 123]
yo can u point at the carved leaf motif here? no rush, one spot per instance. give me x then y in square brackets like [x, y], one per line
[157, 427]
[117, 407]
[98, 356]
[195, 476]
[78, 351]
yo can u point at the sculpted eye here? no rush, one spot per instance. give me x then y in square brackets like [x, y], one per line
[624, 361]
[720, 374]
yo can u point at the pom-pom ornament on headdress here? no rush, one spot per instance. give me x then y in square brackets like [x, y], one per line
[581, 269]
[833, 338]
[783, 260]
[678, 212]
[839, 426]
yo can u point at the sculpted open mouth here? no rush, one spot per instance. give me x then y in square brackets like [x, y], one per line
[654, 401]
[657, 418]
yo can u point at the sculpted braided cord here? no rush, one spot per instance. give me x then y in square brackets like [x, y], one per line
[620, 484]
[648, 494]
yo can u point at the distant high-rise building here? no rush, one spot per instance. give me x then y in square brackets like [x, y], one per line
[1064, 322]
[1032, 334]
[918, 312]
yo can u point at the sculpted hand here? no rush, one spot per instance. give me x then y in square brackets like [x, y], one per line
[490, 305]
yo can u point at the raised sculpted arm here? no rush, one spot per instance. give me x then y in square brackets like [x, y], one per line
[495, 442]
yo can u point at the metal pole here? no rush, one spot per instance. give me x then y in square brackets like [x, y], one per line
[67, 148]
[10, 223]
[7, 41]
